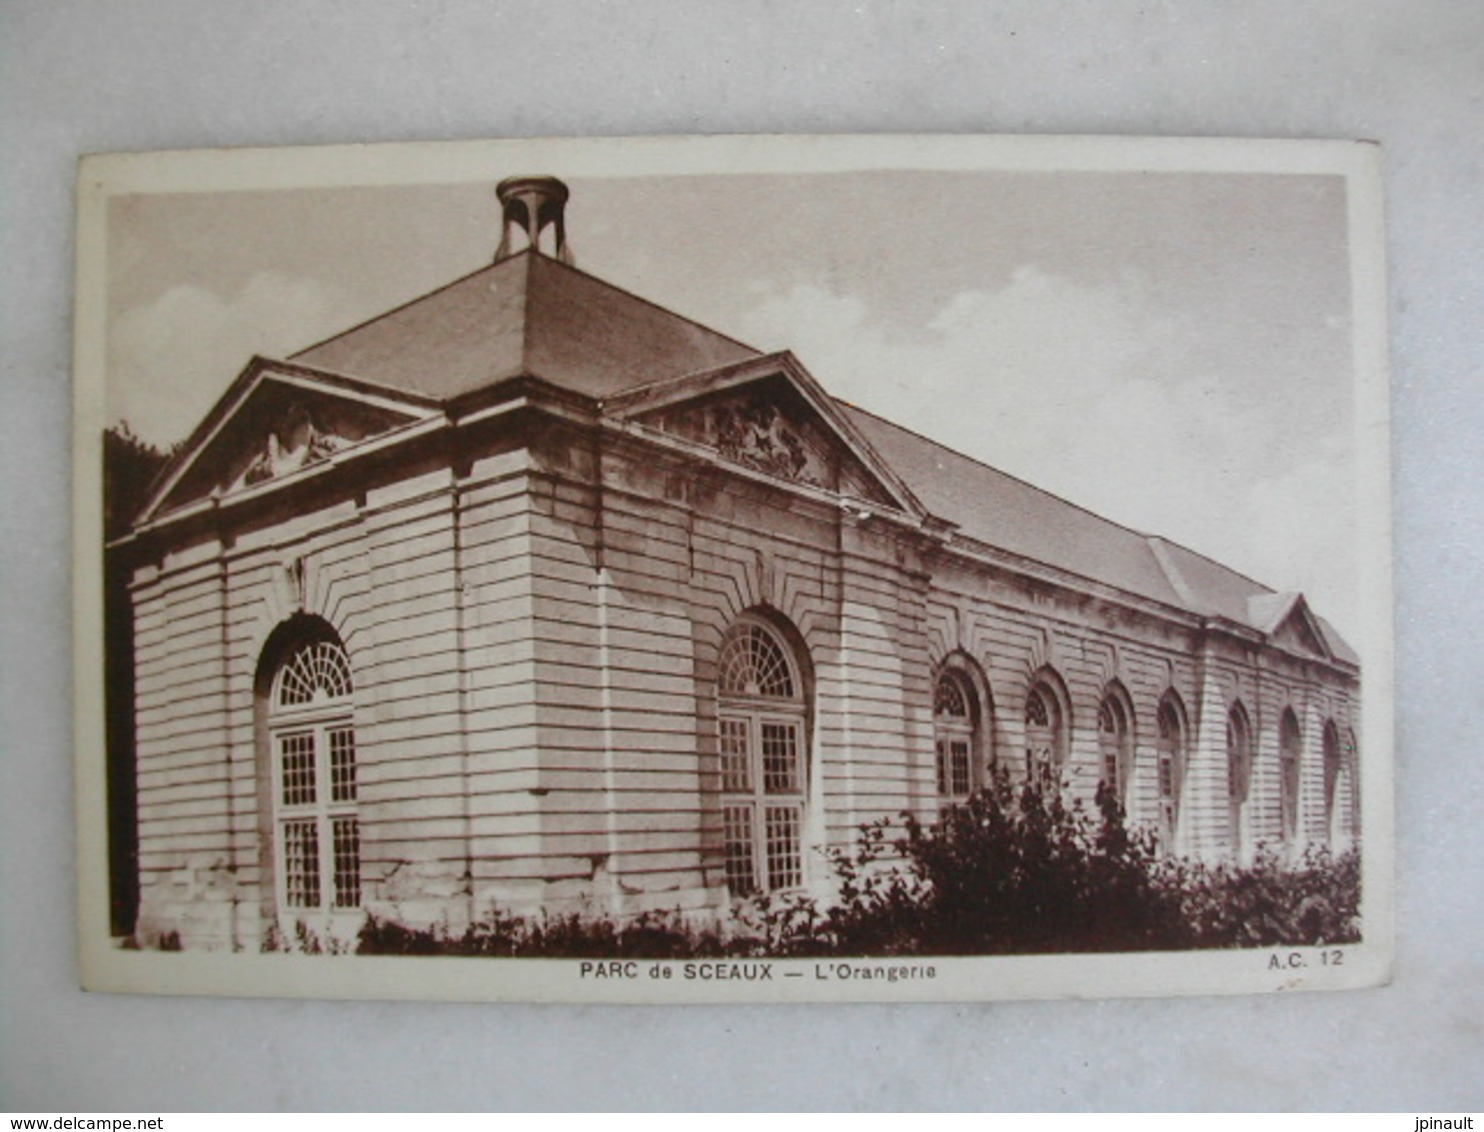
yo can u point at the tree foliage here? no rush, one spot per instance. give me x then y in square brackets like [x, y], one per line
[130, 465]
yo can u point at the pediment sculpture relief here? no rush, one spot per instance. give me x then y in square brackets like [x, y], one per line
[775, 435]
[295, 442]
[758, 436]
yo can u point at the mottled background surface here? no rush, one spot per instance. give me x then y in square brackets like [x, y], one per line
[149, 75]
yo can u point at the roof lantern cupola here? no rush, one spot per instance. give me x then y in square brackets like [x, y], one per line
[531, 206]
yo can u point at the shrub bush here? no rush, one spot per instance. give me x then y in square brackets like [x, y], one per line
[1016, 869]
[572, 936]
[1019, 870]
[1315, 901]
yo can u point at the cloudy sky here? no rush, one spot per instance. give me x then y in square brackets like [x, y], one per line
[1170, 350]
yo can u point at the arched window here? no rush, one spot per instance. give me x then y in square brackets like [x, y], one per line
[1170, 730]
[1045, 733]
[1115, 744]
[956, 735]
[1238, 774]
[1352, 766]
[1334, 768]
[1290, 753]
[762, 722]
[312, 746]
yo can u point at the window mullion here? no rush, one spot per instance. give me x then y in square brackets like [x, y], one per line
[759, 800]
[322, 818]
[280, 838]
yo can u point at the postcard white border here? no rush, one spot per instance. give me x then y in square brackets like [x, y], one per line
[105, 967]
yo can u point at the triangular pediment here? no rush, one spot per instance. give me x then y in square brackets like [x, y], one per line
[1302, 635]
[768, 416]
[1289, 623]
[767, 428]
[274, 422]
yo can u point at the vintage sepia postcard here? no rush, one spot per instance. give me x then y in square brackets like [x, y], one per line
[734, 569]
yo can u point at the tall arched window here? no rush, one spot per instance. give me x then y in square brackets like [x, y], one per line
[1290, 753]
[1170, 729]
[762, 722]
[956, 735]
[1352, 765]
[1115, 744]
[1333, 771]
[1045, 732]
[312, 745]
[1238, 774]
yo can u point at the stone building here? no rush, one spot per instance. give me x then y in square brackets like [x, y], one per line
[531, 593]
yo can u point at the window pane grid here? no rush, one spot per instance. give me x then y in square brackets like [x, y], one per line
[949, 699]
[1331, 771]
[301, 863]
[1113, 743]
[780, 758]
[1288, 802]
[313, 741]
[297, 755]
[955, 778]
[1236, 761]
[317, 670]
[958, 760]
[347, 850]
[1171, 765]
[1288, 774]
[736, 766]
[761, 749]
[737, 839]
[753, 663]
[1043, 738]
[784, 864]
[342, 764]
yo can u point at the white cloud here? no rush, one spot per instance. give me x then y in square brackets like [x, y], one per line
[169, 361]
[1084, 391]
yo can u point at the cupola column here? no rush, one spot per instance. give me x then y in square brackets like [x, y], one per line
[530, 206]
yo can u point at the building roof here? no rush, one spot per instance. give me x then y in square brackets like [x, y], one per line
[532, 314]
[526, 314]
[997, 509]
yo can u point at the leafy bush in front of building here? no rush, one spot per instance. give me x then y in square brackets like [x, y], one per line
[1308, 903]
[574, 935]
[303, 940]
[1017, 869]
